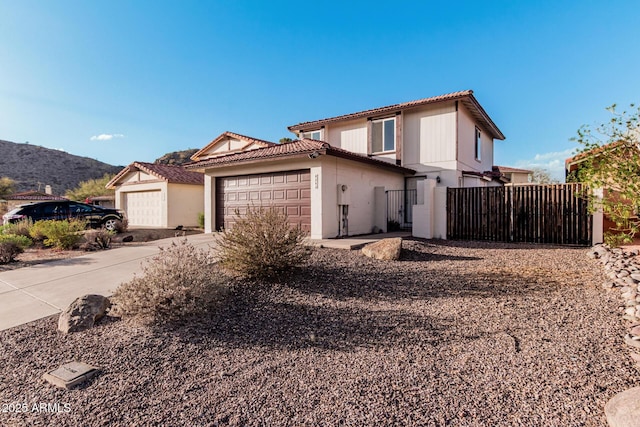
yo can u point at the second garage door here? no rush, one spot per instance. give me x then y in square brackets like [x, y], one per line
[143, 208]
[288, 191]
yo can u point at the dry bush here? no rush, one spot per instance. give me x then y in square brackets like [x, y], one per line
[122, 225]
[180, 281]
[11, 246]
[99, 239]
[20, 228]
[262, 244]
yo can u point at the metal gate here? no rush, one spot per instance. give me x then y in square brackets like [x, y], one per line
[400, 209]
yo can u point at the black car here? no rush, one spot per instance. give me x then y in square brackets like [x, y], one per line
[65, 209]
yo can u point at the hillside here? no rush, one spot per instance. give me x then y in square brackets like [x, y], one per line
[32, 167]
[177, 157]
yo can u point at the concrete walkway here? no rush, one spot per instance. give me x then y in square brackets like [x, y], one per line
[31, 293]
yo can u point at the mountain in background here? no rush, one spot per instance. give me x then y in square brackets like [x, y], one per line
[33, 167]
[177, 157]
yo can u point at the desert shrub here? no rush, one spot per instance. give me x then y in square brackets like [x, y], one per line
[59, 234]
[12, 245]
[99, 239]
[36, 232]
[20, 228]
[201, 219]
[122, 225]
[180, 281]
[262, 244]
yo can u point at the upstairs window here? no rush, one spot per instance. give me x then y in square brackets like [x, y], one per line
[314, 134]
[383, 136]
[478, 145]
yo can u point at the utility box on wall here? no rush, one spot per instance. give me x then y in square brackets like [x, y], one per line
[344, 194]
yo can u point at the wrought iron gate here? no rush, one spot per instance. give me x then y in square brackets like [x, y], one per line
[400, 209]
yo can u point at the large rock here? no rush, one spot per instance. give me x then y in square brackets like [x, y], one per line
[83, 313]
[623, 410]
[385, 249]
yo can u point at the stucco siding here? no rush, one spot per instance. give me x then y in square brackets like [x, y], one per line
[429, 137]
[184, 204]
[351, 135]
[466, 144]
[135, 177]
[361, 180]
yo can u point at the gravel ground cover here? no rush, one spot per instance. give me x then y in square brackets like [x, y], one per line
[455, 333]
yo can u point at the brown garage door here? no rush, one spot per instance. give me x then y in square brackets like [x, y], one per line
[289, 191]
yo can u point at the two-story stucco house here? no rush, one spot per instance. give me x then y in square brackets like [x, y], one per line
[351, 174]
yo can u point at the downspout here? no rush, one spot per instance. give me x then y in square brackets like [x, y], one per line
[457, 132]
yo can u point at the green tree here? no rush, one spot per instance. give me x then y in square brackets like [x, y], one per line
[283, 140]
[609, 165]
[91, 188]
[7, 187]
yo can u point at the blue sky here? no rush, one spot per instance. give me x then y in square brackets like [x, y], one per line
[121, 81]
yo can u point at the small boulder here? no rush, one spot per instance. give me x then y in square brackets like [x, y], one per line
[127, 239]
[623, 410]
[385, 249]
[83, 313]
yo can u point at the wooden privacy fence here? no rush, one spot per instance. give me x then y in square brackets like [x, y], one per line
[520, 213]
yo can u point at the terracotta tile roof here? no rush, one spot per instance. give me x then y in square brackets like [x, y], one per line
[170, 173]
[465, 96]
[507, 169]
[293, 149]
[248, 139]
[492, 175]
[34, 195]
[572, 162]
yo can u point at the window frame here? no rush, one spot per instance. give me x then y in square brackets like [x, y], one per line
[478, 144]
[383, 120]
[308, 134]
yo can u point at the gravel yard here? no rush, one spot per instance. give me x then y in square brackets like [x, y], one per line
[456, 333]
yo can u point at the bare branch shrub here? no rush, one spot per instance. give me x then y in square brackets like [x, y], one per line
[262, 244]
[122, 225]
[99, 238]
[180, 281]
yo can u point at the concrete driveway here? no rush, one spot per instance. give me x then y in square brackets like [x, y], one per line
[31, 293]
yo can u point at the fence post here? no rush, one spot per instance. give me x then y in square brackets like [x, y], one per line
[423, 213]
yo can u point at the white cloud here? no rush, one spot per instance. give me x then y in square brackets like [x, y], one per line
[552, 162]
[106, 136]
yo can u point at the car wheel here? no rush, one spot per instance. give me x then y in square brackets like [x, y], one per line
[110, 224]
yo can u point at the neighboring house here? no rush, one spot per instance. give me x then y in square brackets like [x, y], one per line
[601, 223]
[17, 199]
[160, 196]
[513, 175]
[102, 201]
[337, 178]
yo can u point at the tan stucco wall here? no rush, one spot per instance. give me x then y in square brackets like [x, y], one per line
[466, 144]
[184, 202]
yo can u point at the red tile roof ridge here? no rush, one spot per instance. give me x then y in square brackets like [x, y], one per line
[230, 134]
[298, 147]
[379, 110]
[175, 174]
